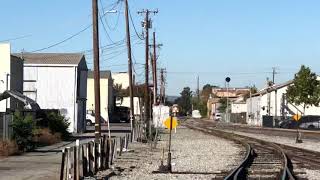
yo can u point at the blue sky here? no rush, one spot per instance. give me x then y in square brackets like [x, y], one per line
[210, 38]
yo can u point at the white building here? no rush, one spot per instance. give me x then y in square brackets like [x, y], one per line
[238, 107]
[58, 81]
[106, 94]
[11, 77]
[275, 98]
[121, 78]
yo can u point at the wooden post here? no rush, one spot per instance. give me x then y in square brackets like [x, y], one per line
[103, 152]
[108, 153]
[67, 163]
[91, 159]
[62, 164]
[120, 147]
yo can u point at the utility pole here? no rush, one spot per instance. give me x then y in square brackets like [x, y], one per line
[162, 86]
[273, 74]
[154, 67]
[129, 69]
[198, 91]
[147, 26]
[155, 83]
[96, 69]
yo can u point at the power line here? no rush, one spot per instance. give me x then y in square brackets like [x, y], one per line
[16, 38]
[55, 44]
[134, 27]
[118, 16]
[104, 28]
[70, 37]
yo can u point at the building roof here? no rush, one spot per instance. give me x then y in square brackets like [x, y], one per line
[272, 88]
[103, 74]
[51, 58]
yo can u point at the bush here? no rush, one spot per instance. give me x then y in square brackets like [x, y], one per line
[23, 129]
[45, 137]
[8, 148]
[58, 124]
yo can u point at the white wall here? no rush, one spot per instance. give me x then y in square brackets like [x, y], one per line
[238, 107]
[4, 70]
[121, 78]
[260, 107]
[160, 114]
[54, 89]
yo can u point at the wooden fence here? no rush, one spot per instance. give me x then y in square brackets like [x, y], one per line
[85, 160]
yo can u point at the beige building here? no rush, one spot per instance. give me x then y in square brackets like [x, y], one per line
[121, 78]
[106, 93]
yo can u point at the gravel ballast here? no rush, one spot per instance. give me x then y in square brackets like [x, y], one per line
[194, 156]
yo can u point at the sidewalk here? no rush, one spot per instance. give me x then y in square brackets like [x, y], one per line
[44, 163]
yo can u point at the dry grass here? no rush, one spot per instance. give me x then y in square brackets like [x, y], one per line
[8, 147]
[45, 137]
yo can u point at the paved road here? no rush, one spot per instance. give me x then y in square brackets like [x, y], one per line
[114, 127]
[44, 164]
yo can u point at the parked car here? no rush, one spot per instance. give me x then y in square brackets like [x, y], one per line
[120, 114]
[90, 118]
[310, 125]
[196, 114]
[217, 116]
[306, 122]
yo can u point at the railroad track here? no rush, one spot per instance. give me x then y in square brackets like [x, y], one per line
[263, 160]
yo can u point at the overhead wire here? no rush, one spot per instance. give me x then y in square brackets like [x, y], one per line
[134, 27]
[70, 37]
[64, 40]
[118, 15]
[15, 38]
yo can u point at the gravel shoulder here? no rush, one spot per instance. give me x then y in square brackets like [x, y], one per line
[194, 156]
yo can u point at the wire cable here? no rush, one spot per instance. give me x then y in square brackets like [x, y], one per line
[16, 38]
[64, 40]
[134, 27]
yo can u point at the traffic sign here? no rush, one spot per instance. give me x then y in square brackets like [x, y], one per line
[296, 117]
[174, 122]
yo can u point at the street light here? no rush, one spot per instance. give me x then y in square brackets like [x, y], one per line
[227, 112]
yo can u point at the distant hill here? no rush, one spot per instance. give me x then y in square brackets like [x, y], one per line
[172, 98]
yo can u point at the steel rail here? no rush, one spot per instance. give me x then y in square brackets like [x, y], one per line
[237, 172]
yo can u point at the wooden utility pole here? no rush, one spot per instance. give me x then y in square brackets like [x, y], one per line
[147, 26]
[96, 69]
[129, 69]
[198, 90]
[162, 86]
[154, 65]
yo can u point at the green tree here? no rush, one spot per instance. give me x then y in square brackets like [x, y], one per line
[23, 131]
[253, 90]
[223, 105]
[305, 89]
[58, 124]
[185, 100]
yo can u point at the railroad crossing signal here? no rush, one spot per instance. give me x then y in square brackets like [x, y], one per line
[296, 117]
[174, 123]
